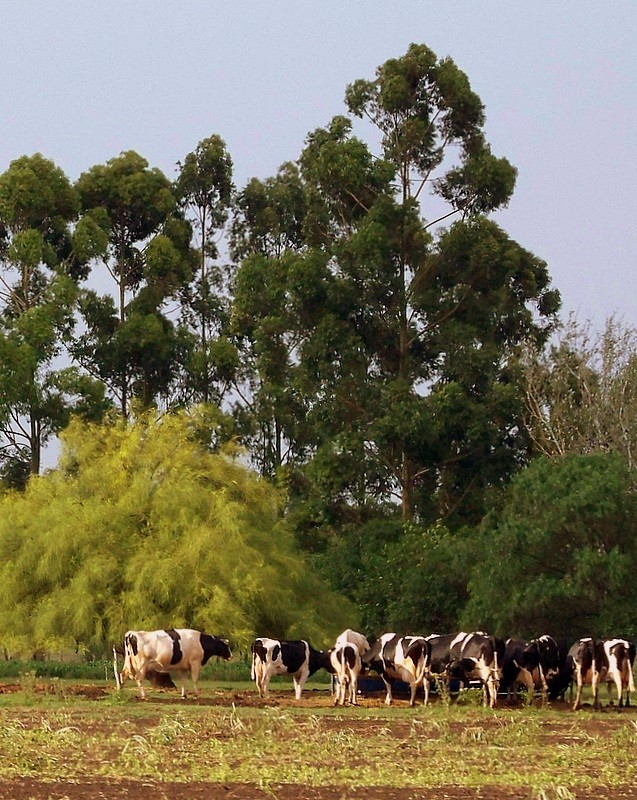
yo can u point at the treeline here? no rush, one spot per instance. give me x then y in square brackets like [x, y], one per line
[356, 324]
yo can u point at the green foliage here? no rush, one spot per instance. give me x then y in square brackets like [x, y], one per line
[41, 260]
[142, 527]
[132, 227]
[383, 358]
[402, 577]
[560, 554]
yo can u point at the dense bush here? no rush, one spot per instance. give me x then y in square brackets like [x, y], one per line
[142, 527]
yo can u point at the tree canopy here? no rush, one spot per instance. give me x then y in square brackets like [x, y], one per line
[560, 554]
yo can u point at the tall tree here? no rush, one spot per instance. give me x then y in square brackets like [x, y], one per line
[204, 189]
[407, 332]
[42, 257]
[266, 237]
[130, 343]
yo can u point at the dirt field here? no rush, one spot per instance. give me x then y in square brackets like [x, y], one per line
[88, 747]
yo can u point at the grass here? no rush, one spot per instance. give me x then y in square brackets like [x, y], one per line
[58, 736]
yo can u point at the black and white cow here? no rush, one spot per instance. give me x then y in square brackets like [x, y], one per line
[620, 655]
[530, 664]
[347, 670]
[181, 650]
[359, 640]
[478, 656]
[588, 664]
[404, 658]
[296, 658]
[347, 664]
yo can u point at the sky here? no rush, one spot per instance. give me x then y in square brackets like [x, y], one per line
[81, 83]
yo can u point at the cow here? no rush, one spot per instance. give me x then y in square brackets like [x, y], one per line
[347, 664]
[620, 655]
[404, 658]
[358, 640]
[355, 638]
[587, 663]
[440, 645]
[296, 658]
[181, 650]
[478, 656]
[530, 664]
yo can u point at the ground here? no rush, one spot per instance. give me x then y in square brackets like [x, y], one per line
[555, 736]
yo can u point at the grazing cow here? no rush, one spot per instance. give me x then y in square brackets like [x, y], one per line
[440, 645]
[181, 650]
[347, 665]
[296, 658]
[560, 682]
[404, 658]
[530, 664]
[587, 662]
[620, 654]
[478, 656]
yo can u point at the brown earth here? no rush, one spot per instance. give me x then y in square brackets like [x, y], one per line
[28, 789]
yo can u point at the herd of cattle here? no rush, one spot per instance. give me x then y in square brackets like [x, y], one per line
[543, 664]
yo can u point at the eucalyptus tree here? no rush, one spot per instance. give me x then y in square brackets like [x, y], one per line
[266, 239]
[413, 360]
[130, 343]
[43, 254]
[204, 190]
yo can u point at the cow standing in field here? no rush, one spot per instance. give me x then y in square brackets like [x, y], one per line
[181, 650]
[346, 660]
[588, 665]
[478, 656]
[347, 665]
[620, 655]
[440, 658]
[296, 658]
[404, 658]
[530, 664]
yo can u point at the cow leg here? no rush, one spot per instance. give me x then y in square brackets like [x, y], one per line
[353, 689]
[544, 685]
[425, 691]
[494, 684]
[299, 681]
[580, 682]
[139, 679]
[195, 670]
[413, 686]
[388, 685]
[595, 686]
[341, 691]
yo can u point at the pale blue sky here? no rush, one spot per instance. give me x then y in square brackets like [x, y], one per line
[82, 82]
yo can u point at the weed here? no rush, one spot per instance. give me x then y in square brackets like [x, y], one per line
[474, 734]
[552, 793]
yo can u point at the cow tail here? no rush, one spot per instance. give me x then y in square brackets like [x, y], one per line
[631, 680]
